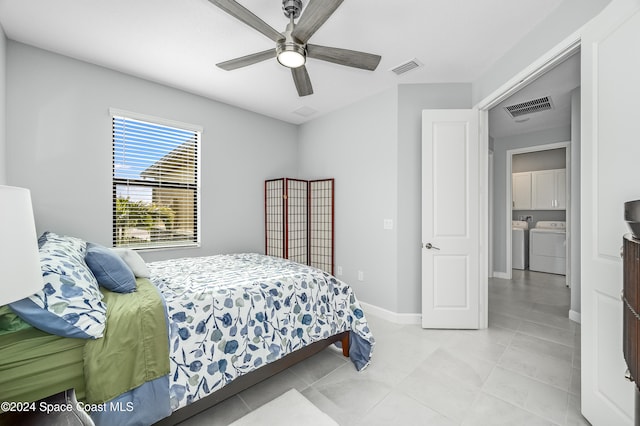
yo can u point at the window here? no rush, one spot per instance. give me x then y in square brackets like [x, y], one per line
[155, 182]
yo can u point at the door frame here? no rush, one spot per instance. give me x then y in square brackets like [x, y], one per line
[509, 197]
[569, 46]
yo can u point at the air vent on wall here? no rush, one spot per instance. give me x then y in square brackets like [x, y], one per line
[529, 107]
[406, 67]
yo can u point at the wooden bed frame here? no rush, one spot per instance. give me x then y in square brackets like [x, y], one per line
[256, 376]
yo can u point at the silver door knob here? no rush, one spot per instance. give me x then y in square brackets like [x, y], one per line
[430, 246]
[628, 376]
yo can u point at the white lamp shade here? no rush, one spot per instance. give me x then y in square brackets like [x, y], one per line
[20, 273]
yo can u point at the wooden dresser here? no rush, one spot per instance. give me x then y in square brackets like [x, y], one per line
[631, 313]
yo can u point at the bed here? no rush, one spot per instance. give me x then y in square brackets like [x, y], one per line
[225, 323]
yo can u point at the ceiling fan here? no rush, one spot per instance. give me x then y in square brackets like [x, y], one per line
[292, 49]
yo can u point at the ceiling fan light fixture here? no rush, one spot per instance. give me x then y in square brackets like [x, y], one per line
[292, 45]
[291, 55]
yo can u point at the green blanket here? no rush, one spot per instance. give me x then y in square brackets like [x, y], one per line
[35, 364]
[134, 348]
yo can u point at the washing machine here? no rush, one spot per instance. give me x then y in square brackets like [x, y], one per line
[519, 244]
[548, 247]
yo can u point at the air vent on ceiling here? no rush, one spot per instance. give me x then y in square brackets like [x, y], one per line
[406, 67]
[305, 111]
[529, 107]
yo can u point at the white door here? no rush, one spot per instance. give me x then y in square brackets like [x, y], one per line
[450, 219]
[609, 169]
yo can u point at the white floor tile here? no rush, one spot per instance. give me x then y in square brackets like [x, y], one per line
[539, 398]
[478, 345]
[576, 381]
[549, 370]
[564, 337]
[356, 391]
[267, 390]
[497, 319]
[541, 346]
[574, 417]
[542, 314]
[222, 414]
[440, 392]
[342, 415]
[313, 369]
[488, 410]
[470, 370]
[400, 409]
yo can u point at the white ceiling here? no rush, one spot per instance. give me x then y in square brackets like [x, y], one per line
[178, 43]
[557, 84]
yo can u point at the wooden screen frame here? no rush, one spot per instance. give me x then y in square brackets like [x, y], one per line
[278, 220]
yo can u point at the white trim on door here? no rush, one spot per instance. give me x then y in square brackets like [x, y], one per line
[546, 62]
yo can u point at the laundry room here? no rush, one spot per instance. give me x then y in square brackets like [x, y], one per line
[539, 183]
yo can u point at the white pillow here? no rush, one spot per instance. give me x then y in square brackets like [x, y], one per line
[134, 261]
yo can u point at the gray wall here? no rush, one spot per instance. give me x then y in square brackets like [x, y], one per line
[59, 146]
[549, 159]
[500, 148]
[560, 24]
[358, 147]
[538, 215]
[373, 149]
[3, 103]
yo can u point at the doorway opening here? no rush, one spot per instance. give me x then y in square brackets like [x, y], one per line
[566, 56]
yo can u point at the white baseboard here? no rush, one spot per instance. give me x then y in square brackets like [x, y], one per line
[502, 275]
[404, 319]
[574, 316]
[411, 319]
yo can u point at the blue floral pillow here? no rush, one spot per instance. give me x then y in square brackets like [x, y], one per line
[70, 303]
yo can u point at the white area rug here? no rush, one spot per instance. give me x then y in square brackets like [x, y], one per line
[290, 408]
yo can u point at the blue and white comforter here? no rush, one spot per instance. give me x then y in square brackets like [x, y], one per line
[230, 314]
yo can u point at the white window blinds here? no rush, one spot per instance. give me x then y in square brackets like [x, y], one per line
[155, 184]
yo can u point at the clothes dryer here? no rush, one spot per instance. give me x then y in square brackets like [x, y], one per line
[548, 247]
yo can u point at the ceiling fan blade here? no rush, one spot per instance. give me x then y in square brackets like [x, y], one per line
[313, 16]
[348, 58]
[240, 12]
[244, 61]
[302, 81]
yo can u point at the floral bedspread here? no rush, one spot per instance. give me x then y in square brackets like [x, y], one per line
[230, 314]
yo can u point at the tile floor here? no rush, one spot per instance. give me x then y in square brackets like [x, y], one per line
[523, 370]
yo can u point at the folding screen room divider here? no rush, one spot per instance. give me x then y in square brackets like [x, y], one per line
[299, 221]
